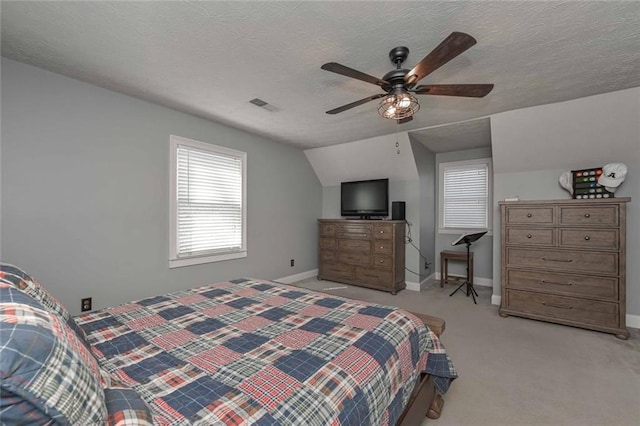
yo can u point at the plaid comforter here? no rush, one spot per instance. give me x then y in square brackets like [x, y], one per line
[258, 352]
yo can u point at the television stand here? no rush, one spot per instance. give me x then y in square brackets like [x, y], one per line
[366, 253]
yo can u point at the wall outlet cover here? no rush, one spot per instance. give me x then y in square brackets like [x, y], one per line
[86, 304]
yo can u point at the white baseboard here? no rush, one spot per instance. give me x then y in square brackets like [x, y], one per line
[412, 286]
[297, 277]
[496, 299]
[482, 282]
[633, 321]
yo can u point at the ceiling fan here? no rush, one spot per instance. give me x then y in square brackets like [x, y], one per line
[399, 103]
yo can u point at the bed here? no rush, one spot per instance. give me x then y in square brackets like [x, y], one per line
[253, 351]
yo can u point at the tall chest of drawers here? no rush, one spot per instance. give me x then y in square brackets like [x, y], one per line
[564, 261]
[367, 253]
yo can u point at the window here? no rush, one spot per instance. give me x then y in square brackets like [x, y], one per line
[208, 203]
[465, 195]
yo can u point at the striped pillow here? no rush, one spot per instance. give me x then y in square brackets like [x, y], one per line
[47, 374]
[17, 277]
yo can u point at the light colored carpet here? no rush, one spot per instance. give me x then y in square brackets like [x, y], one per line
[516, 371]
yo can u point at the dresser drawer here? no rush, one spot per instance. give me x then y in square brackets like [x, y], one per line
[337, 271]
[589, 215]
[542, 236]
[327, 255]
[589, 238]
[352, 258]
[584, 311]
[354, 231]
[564, 260]
[383, 231]
[382, 247]
[565, 284]
[354, 245]
[327, 243]
[328, 229]
[527, 215]
[375, 277]
[383, 262]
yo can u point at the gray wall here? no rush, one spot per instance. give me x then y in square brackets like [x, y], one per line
[85, 208]
[483, 248]
[426, 164]
[407, 191]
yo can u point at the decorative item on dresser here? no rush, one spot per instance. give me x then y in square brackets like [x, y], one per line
[564, 261]
[366, 253]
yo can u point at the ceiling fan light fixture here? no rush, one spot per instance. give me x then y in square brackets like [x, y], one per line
[398, 105]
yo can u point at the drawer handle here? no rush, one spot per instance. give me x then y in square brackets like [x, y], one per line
[586, 237]
[587, 215]
[381, 261]
[556, 283]
[529, 235]
[382, 232]
[529, 215]
[557, 260]
[381, 247]
[557, 306]
[364, 235]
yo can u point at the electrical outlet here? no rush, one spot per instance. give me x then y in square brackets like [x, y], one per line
[292, 262]
[86, 304]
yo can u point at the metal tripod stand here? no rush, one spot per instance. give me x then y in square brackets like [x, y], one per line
[467, 239]
[467, 282]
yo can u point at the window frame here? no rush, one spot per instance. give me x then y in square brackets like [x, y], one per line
[176, 261]
[450, 164]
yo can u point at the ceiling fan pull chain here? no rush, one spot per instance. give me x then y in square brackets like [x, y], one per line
[397, 132]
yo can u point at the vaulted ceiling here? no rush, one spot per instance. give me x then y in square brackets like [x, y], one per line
[210, 58]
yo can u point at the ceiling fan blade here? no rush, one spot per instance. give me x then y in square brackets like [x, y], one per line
[350, 72]
[405, 120]
[451, 47]
[465, 90]
[356, 103]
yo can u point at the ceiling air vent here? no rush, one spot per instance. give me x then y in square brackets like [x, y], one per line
[258, 102]
[265, 105]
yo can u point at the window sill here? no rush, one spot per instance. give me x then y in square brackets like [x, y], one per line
[177, 263]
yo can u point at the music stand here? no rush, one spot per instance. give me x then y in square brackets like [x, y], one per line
[467, 239]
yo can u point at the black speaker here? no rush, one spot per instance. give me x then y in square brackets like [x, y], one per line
[397, 210]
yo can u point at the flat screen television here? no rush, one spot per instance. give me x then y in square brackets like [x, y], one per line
[365, 198]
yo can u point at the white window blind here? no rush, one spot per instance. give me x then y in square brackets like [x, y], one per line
[465, 195]
[209, 202]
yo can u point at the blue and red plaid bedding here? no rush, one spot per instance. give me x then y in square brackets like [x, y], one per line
[258, 352]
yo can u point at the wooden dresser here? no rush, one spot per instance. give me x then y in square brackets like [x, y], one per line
[563, 261]
[367, 253]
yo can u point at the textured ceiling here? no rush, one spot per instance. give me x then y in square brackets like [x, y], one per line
[455, 137]
[211, 58]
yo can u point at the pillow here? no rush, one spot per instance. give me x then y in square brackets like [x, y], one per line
[48, 375]
[126, 408]
[17, 277]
